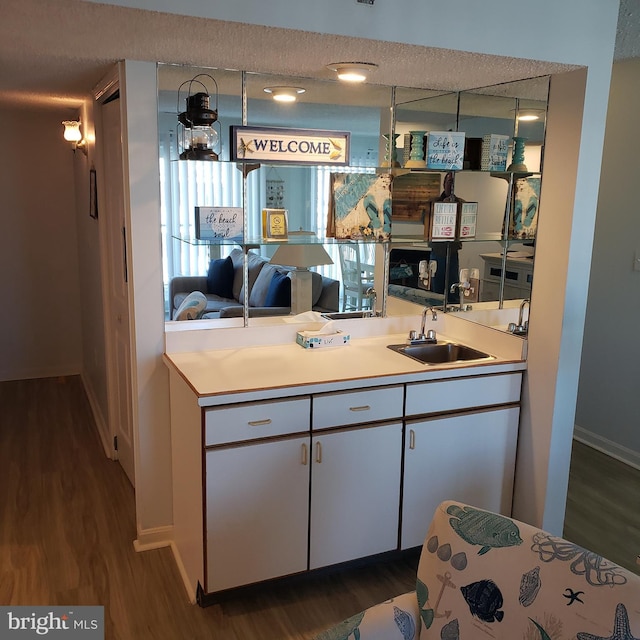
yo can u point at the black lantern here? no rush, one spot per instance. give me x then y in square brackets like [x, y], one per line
[197, 136]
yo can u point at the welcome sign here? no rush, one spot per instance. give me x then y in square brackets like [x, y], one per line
[293, 146]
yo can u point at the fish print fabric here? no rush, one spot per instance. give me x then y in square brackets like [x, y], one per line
[518, 582]
[483, 576]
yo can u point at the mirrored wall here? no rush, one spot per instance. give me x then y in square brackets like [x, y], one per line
[359, 274]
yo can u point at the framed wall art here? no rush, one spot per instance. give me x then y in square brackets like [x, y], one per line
[93, 194]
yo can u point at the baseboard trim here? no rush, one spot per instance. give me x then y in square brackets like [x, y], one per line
[155, 538]
[191, 593]
[98, 416]
[623, 454]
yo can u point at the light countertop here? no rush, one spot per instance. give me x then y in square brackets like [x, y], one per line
[262, 371]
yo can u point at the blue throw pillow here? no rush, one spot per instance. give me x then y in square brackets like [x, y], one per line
[279, 292]
[220, 278]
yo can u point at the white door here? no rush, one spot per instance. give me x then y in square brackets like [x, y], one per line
[355, 494]
[112, 216]
[467, 457]
[257, 512]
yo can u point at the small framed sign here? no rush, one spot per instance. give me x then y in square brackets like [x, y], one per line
[220, 224]
[297, 146]
[445, 150]
[274, 224]
[443, 224]
[468, 220]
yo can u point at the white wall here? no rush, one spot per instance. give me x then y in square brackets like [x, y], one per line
[40, 326]
[154, 507]
[94, 369]
[608, 398]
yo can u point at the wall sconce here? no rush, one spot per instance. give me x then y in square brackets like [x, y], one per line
[301, 256]
[352, 71]
[197, 136]
[284, 94]
[73, 134]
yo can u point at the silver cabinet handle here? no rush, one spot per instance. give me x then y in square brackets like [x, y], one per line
[318, 452]
[412, 439]
[259, 423]
[304, 454]
[364, 407]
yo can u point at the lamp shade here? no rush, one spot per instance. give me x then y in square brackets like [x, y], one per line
[72, 131]
[301, 255]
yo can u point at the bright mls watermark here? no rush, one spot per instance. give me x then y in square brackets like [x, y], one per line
[28, 623]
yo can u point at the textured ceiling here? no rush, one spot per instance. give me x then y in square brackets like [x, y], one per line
[53, 53]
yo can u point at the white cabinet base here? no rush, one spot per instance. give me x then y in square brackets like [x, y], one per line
[468, 457]
[257, 512]
[355, 494]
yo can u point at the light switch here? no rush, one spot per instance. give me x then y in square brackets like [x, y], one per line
[636, 260]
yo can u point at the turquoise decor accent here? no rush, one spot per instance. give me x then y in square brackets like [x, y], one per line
[517, 158]
[416, 158]
[390, 151]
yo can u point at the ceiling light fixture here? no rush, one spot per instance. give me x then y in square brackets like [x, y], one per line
[73, 134]
[284, 94]
[353, 71]
[528, 115]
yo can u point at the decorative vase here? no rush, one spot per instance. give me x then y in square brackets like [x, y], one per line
[390, 151]
[517, 159]
[416, 158]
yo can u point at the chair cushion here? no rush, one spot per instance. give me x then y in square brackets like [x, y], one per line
[279, 292]
[220, 277]
[260, 287]
[482, 575]
[255, 263]
[192, 306]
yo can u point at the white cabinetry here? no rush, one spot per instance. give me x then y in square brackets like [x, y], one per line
[256, 491]
[276, 487]
[468, 457]
[466, 454]
[257, 512]
[517, 275]
[355, 479]
[355, 493]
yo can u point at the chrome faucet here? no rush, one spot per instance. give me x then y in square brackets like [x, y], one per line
[461, 287]
[521, 324]
[522, 328]
[430, 336]
[373, 297]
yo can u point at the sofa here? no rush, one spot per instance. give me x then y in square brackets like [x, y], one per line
[483, 576]
[269, 289]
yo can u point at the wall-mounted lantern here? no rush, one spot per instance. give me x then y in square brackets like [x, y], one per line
[197, 135]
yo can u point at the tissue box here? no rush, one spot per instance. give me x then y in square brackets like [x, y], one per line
[313, 340]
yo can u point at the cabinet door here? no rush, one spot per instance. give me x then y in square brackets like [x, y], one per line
[467, 457]
[257, 512]
[355, 493]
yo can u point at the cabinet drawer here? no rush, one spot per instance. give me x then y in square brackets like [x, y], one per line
[256, 420]
[465, 393]
[352, 407]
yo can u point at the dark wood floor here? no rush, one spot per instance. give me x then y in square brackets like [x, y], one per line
[67, 526]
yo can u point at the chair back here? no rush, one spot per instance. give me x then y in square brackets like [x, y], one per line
[483, 575]
[357, 277]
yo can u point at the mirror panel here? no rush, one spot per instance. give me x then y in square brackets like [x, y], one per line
[370, 113]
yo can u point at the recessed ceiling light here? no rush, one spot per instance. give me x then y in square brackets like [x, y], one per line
[352, 71]
[284, 94]
[529, 115]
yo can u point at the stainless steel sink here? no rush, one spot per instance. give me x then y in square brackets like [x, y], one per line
[440, 352]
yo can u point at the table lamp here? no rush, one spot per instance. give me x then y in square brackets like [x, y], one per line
[301, 256]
